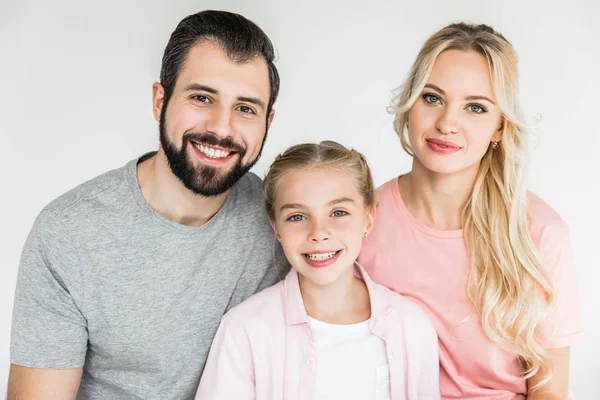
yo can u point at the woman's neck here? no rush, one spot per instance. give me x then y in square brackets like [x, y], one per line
[434, 199]
[345, 301]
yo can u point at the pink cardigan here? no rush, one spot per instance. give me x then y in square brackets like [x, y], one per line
[264, 348]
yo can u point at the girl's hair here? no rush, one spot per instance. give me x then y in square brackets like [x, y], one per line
[507, 284]
[327, 154]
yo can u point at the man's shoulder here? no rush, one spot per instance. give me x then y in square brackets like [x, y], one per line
[249, 188]
[101, 189]
[247, 197]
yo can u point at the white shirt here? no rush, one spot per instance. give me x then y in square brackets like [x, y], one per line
[352, 362]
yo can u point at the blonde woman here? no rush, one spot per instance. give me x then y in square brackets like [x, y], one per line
[327, 331]
[489, 261]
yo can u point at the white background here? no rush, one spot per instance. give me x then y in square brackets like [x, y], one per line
[75, 101]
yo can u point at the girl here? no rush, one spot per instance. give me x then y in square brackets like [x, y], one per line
[490, 262]
[327, 331]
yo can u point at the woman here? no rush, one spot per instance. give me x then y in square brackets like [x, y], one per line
[327, 331]
[490, 262]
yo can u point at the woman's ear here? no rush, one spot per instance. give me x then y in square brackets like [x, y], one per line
[499, 132]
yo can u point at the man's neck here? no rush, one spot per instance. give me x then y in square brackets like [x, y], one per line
[170, 198]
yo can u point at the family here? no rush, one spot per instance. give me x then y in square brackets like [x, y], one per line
[183, 275]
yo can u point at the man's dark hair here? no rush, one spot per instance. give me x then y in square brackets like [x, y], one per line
[238, 37]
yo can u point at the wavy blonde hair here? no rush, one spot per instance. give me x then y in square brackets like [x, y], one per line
[327, 154]
[507, 283]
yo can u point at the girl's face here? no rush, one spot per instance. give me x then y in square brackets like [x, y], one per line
[320, 220]
[451, 125]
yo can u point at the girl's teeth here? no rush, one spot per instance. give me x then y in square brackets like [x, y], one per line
[321, 256]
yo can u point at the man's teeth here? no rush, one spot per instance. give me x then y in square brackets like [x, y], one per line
[210, 152]
[320, 256]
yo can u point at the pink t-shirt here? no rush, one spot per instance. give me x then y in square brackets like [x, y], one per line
[430, 266]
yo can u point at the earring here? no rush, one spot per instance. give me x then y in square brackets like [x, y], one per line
[366, 234]
[494, 145]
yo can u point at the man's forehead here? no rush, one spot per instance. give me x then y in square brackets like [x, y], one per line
[207, 64]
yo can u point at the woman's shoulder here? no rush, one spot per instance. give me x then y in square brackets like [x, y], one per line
[545, 222]
[541, 213]
[385, 189]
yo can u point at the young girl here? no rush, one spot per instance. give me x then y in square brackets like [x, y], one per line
[490, 262]
[327, 331]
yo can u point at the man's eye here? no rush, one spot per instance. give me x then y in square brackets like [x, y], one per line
[202, 99]
[295, 218]
[246, 110]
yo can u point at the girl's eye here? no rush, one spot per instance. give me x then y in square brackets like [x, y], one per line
[338, 213]
[296, 218]
[431, 98]
[476, 109]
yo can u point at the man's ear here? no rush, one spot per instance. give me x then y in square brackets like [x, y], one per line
[270, 118]
[158, 100]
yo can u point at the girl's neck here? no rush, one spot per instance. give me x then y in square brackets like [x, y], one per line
[345, 301]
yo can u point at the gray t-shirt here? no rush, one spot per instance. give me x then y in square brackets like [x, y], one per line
[108, 284]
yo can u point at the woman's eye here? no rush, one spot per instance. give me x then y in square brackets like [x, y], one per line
[295, 218]
[338, 213]
[476, 109]
[431, 98]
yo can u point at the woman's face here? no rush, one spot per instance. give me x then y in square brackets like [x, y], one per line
[454, 121]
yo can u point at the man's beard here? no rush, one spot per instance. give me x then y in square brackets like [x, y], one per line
[204, 180]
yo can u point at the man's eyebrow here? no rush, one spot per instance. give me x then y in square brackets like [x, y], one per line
[198, 86]
[253, 100]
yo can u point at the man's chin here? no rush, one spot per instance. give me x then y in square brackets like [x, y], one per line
[214, 185]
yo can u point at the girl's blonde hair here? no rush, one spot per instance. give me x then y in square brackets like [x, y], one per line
[327, 154]
[507, 284]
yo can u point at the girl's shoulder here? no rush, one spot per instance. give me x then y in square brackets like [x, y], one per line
[400, 308]
[261, 308]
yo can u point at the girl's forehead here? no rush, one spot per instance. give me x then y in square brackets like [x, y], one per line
[318, 187]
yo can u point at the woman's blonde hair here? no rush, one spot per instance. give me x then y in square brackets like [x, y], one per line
[507, 284]
[327, 154]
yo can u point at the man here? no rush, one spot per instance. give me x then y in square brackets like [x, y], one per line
[124, 279]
